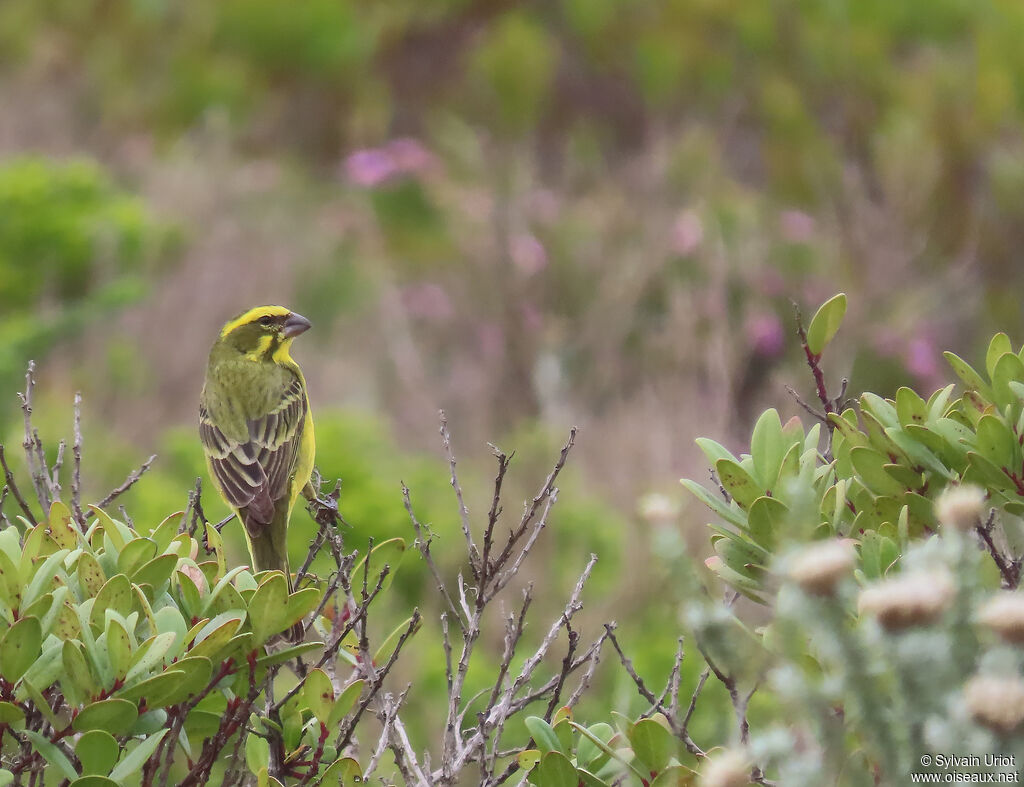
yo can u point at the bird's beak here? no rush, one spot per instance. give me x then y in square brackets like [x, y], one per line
[296, 324]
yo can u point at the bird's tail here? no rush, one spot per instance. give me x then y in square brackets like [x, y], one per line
[269, 551]
[269, 546]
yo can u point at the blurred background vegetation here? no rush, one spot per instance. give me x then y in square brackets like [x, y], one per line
[532, 214]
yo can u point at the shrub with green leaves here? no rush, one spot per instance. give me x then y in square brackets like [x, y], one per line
[886, 541]
[115, 639]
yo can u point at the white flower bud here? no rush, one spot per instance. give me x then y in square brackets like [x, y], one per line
[730, 768]
[906, 600]
[1004, 614]
[820, 567]
[995, 702]
[961, 507]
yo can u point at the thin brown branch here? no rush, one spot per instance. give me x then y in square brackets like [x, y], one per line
[12, 485]
[76, 467]
[128, 483]
[471, 548]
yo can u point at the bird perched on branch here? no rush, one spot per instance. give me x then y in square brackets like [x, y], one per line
[256, 428]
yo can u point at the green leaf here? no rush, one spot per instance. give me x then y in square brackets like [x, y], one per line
[43, 580]
[6, 777]
[738, 483]
[76, 669]
[1009, 368]
[768, 447]
[287, 654]
[750, 588]
[870, 467]
[119, 647]
[45, 669]
[714, 451]
[910, 408]
[136, 758]
[52, 754]
[10, 713]
[587, 752]
[676, 776]
[995, 441]
[215, 635]
[265, 607]
[97, 750]
[155, 572]
[999, 345]
[165, 532]
[116, 716]
[555, 770]
[542, 734]
[388, 553]
[652, 743]
[94, 781]
[527, 759]
[730, 515]
[135, 554]
[767, 520]
[318, 693]
[197, 674]
[257, 753]
[157, 686]
[346, 702]
[344, 772]
[116, 594]
[19, 648]
[965, 372]
[90, 575]
[825, 323]
[391, 641]
[61, 530]
[10, 580]
[150, 653]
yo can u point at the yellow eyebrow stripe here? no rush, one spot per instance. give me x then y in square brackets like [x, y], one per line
[252, 315]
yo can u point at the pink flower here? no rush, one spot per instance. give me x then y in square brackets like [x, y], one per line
[921, 359]
[427, 300]
[409, 156]
[528, 253]
[796, 226]
[687, 233]
[765, 334]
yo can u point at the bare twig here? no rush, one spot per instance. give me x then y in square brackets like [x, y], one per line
[474, 554]
[76, 455]
[128, 483]
[1009, 568]
[424, 538]
[13, 487]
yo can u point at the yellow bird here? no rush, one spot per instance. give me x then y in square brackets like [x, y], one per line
[256, 428]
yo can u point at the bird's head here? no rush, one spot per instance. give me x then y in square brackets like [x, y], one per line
[263, 333]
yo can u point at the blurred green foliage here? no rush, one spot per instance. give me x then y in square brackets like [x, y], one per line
[73, 246]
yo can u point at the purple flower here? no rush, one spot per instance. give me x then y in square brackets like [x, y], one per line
[404, 156]
[765, 334]
[369, 168]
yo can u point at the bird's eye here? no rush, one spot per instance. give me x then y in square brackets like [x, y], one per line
[266, 322]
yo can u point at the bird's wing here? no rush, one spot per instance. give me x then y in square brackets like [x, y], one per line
[255, 474]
